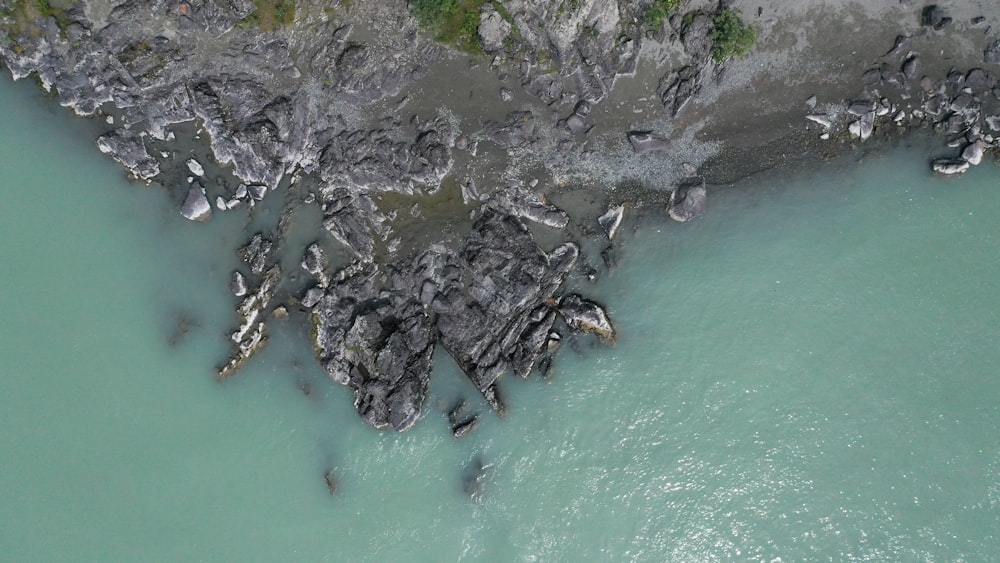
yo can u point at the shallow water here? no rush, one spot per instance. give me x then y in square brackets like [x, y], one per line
[808, 372]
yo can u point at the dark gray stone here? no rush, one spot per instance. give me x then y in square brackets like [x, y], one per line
[688, 200]
[646, 141]
[991, 54]
[583, 315]
[257, 253]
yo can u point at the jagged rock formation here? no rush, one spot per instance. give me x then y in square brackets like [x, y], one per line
[318, 104]
[490, 304]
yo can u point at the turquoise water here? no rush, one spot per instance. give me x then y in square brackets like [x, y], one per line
[809, 372]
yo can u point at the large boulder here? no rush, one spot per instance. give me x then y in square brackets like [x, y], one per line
[687, 201]
[950, 167]
[493, 29]
[196, 206]
[583, 315]
[646, 141]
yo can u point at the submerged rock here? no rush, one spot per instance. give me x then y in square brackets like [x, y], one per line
[251, 332]
[473, 477]
[464, 428]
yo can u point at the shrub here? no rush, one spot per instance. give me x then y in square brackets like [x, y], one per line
[731, 37]
[454, 22]
[658, 12]
[269, 14]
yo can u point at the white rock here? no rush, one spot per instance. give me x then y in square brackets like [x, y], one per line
[238, 284]
[611, 220]
[821, 119]
[196, 206]
[195, 167]
[973, 153]
[950, 167]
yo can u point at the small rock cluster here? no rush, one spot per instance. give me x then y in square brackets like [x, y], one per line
[962, 106]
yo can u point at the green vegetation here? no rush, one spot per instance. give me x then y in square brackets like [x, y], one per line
[731, 36]
[22, 16]
[658, 13]
[453, 22]
[269, 14]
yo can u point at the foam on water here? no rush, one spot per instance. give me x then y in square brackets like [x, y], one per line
[807, 372]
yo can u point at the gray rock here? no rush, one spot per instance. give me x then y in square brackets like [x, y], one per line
[611, 220]
[973, 152]
[867, 122]
[517, 130]
[250, 335]
[993, 122]
[459, 412]
[934, 16]
[464, 428]
[257, 253]
[493, 29]
[872, 77]
[256, 191]
[195, 167]
[688, 200]
[378, 342]
[697, 37]
[811, 102]
[531, 208]
[861, 107]
[238, 284]
[936, 105]
[898, 44]
[312, 297]
[980, 81]
[676, 89]
[911, 68]
[196, 206]
[489, 322]
[950, 167]
[583, 315]
[822, 120]
[130, 151]
[992, 53]
[646, 141]
[314, 262]
[962, 102]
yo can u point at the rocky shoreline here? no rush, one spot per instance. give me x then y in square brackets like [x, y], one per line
[354, 110]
